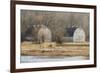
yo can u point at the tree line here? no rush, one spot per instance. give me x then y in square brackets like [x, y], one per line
[57, 22]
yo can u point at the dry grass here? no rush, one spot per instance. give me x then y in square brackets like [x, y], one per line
[53, 49]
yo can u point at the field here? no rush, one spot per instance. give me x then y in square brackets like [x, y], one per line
[53, 49]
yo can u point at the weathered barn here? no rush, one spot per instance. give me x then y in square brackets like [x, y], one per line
[44, 34]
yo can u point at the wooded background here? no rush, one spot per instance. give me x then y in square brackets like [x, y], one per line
[57, 22]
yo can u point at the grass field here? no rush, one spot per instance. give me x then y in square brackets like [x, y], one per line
[53, 49]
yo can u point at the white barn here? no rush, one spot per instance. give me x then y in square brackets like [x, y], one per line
[44, 34]
[79, 35]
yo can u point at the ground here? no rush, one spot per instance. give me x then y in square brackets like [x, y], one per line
[53, 49]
